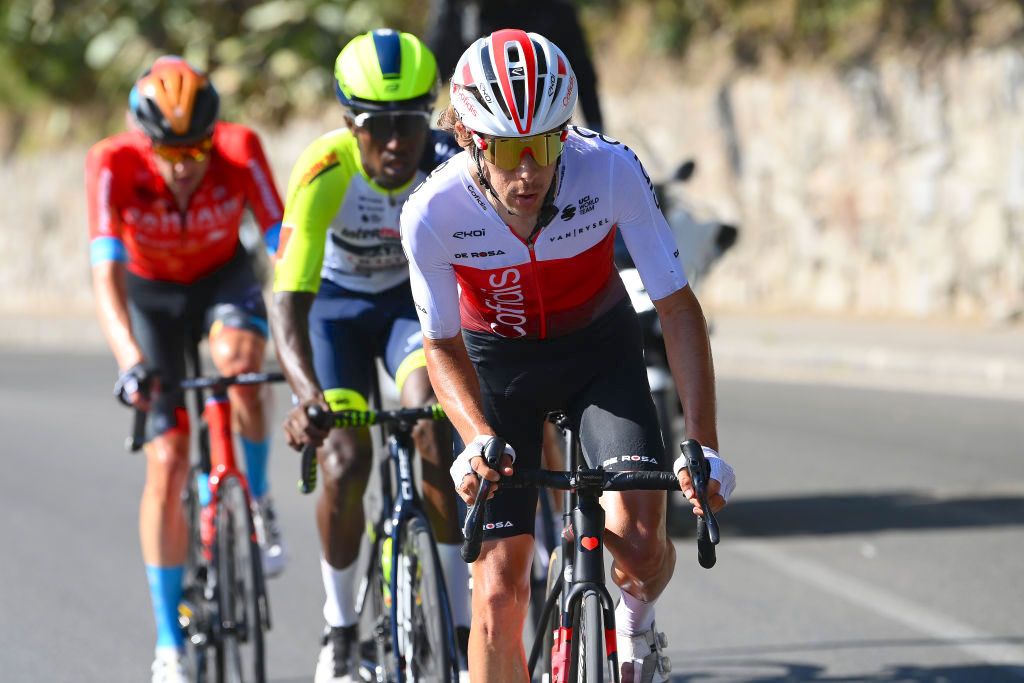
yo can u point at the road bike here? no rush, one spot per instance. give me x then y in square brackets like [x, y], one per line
[577, 624]
[224, 612]
[402, 593]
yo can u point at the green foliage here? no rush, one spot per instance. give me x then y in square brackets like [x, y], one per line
[273, 58]
[837, 30]
[268, 59]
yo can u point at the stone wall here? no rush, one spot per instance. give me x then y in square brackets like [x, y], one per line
[891, 189]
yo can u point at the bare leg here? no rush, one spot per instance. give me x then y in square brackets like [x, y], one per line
[501, 598]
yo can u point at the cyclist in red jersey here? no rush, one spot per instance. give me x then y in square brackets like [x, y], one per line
[510, 248]
[165, 204]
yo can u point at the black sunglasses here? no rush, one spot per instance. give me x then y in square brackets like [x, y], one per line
[385, 125]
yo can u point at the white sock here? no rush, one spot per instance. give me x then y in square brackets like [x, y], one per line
[632, 615]
[339, 584]
[456, 578]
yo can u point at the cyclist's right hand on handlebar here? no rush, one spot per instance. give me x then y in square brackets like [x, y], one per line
[470, 465]
[301, 430]
[720, 485]
[133, 386]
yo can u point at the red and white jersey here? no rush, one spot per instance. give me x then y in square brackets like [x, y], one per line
[469, 269]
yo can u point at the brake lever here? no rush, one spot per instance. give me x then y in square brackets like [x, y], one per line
[307, 468]
[707, 525]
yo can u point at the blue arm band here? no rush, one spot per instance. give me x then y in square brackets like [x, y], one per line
[104, 249]
[271, 238]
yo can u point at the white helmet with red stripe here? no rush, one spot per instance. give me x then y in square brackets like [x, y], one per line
[513, 84]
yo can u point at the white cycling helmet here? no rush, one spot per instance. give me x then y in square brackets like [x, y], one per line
[513, 84]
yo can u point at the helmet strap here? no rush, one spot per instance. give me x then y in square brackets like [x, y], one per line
[547, 211]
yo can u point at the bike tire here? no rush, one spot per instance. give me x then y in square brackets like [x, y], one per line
[425, 639]
[194, 560]
[546, 541]
[547, 631]
[588, 661]
[378, 617]
[241, 598]
[192, 612]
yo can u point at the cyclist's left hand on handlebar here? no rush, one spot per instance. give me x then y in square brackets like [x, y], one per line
[470, 465]
[720, 487]
[300, 430]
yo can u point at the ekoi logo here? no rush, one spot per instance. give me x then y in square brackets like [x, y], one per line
[508, 302]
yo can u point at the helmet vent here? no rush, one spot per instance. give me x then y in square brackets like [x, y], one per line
[475, 92]
[485, 62]
[542, 60]
[519, 93]
[501, 103]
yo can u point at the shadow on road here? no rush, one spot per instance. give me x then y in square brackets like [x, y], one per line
[857, 513]
[747, 664]
[795, 672]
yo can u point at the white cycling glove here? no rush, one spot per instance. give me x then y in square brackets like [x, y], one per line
[475, 448]
[721, 471]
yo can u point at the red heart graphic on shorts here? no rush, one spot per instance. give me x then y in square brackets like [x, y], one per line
[589, 542]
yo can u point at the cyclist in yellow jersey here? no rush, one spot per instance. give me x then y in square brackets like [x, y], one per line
[342, 298]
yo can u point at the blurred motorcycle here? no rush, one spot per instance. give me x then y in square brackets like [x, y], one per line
[701, 245]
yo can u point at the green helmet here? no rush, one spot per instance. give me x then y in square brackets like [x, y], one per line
[386, 70]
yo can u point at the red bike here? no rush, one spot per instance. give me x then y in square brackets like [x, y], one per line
[224, 610]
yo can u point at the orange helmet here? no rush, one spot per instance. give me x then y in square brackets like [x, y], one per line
[174, 103]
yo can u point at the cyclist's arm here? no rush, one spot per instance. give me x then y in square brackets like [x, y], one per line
[456, 385]
[689, 357]
[289, 325]
[313, 199]
[435, 294]
[108, 256]
[112, 309]
[261, 192]
[653, 249]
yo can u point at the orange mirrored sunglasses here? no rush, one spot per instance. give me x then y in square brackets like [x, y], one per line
[178, 153]
[506, 153]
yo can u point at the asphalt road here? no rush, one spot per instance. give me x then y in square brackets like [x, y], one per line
[874, 536]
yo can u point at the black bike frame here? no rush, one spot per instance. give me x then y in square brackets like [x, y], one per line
[407, 505]
[583, 519]
[582, 554]
[394, 513]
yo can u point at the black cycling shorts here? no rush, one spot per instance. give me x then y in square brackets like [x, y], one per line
[595, 375]
[165, 316]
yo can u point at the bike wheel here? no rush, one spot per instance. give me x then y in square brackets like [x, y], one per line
[376, 614]
[545, 542]
[426, 638]
[192, 611]
[240, 590]
[190, 498]
[547, 631]
[588, 660]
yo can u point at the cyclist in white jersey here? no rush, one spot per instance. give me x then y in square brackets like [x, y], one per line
[510, 245]
[342, 299]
